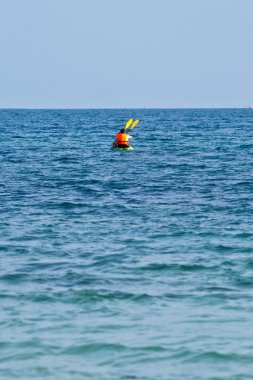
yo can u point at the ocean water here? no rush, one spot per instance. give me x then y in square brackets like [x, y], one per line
[126, 265]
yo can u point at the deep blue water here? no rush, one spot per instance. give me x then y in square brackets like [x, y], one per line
[126, 265]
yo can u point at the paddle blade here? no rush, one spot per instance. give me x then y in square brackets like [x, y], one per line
[134, 124]
[129, 123]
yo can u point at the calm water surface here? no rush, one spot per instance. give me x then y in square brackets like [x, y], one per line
[126, 265]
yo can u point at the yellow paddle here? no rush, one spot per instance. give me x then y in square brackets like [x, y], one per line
[129, 123]
[134, 124]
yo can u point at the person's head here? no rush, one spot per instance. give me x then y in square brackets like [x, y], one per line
[122, 130]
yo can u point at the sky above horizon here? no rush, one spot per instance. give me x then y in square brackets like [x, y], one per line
[126, 53]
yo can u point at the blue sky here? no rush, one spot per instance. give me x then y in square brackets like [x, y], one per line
[126, 53]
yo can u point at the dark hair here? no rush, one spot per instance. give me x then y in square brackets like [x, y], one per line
[123, 130]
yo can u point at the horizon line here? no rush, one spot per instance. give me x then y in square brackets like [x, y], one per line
[117, 108]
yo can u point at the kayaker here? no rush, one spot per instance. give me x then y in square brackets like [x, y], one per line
[122, 139]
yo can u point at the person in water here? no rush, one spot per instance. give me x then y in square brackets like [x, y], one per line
[122, 139]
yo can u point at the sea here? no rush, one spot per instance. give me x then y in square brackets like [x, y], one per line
[126, 265]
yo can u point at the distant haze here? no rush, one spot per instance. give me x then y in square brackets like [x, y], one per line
[126, 53]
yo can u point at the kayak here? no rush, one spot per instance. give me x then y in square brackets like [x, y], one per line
[127, 148]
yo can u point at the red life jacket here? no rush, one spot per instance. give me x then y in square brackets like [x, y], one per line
[122, 139]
